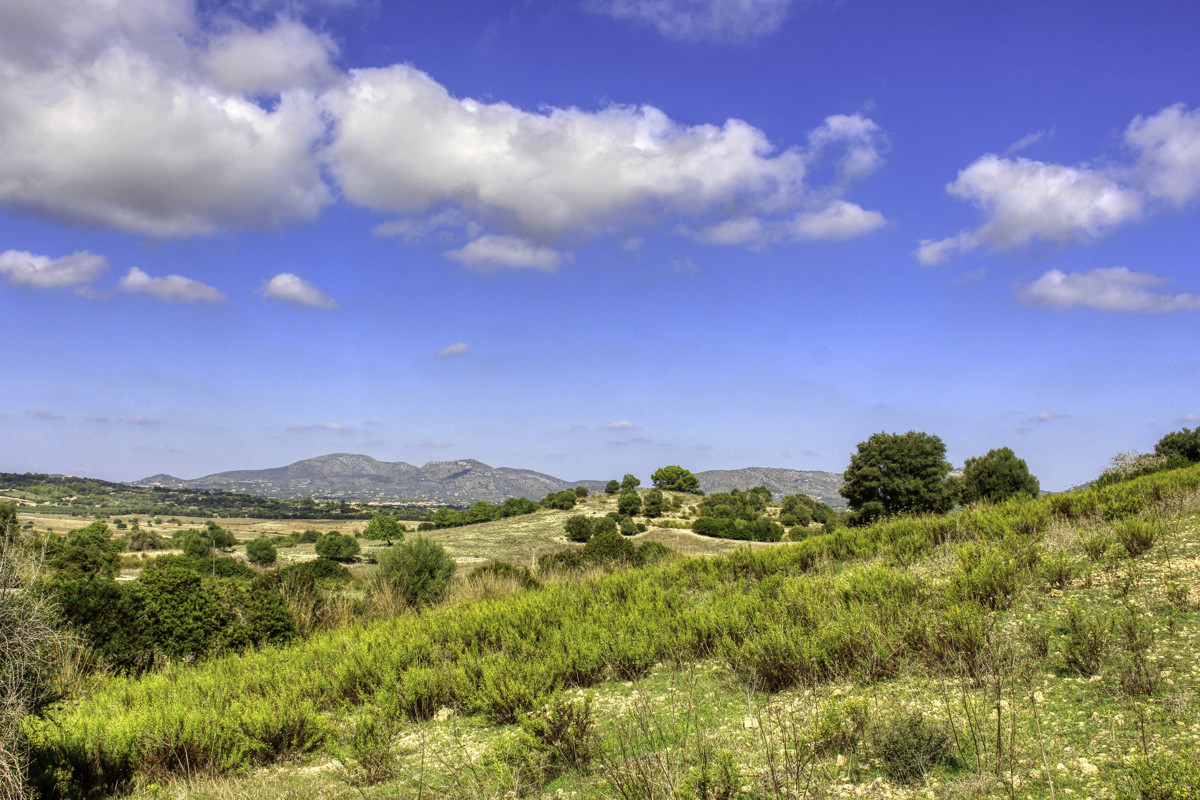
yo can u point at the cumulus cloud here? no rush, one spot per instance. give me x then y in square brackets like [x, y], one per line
[288, 55]
[402, 143]
[1023, 201]
[171, 289]
[494, 252]
[838, 220]
[295, 290]
[696, 20]
[110, 121]
[1112, 289]
[456, 349]
[21, 268]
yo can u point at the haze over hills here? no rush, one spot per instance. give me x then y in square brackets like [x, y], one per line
[348, 476]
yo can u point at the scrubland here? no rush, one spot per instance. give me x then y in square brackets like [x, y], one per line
[1036, 648]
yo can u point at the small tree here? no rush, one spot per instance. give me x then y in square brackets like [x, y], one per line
[383, 528]
[337, 546]
[629, 503]
[481, 512]
[676, 479]
[996, 476]
[419, 570]
[630, 481]
[195, 544]
[612, 487]
[220, 537]
[261, 551]
[897, 474]
[654, 503]
[578, 528]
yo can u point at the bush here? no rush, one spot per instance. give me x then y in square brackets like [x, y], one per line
[447, 518]
[578, 528]
[610, 547]
[319, 569]
[654, 503]
[506, 571]
[208, 567]
[910, 745]
[517, 506]
[612, 487]
[261, 551]
[581, 492]
[309, 536]
[1085, 641]
[337, 546]
[419, 570]
[563, 501]
[1164, 777]
[629, 502]
[996, 477]
[630, 482]
[220, 537]
[1137, 534]
[140, 540]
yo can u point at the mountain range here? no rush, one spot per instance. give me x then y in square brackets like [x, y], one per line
[348, 476]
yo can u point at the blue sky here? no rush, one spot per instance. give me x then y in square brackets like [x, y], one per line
[595, 237]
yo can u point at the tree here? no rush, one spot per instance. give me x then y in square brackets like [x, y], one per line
[654, 503]
[447, 517]
[581, 492]
[337, 546]
[629, 502]
[630, 481]
[419, 570]
[221, 537]
[481, 512]
[261, 551]
[996, 476]
[1180, 446]
[383, 528]
[612, 487]
[895, 473]
[676, 479]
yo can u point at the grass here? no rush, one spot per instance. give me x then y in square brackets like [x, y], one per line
[1054, 668]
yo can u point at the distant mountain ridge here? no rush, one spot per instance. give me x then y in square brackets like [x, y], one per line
[349, 476]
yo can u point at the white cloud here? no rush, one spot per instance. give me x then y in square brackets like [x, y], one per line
[332, 427]
[838, 220]
[1028, 141]
[109, 121]
[695, 20]
[1025, 201]
[456, 349]
[620, 425]
[402, 143]
[1169, 148]
[295, 290]
[494, 252]
[1113, 289]
[287, 55]
[172, 289]
[21, 268]
[1045, 416]
[1189, 419]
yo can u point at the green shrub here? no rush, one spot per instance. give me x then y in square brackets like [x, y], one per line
[367, 756]
[261, 551]
[319, 569]
[309, 536]
[609, 547]
[1137, 534]
[565, 731]
[1085, 640]
[910, 745]
[578, 528]
[629, 502]
[337, 546]
[211, 566]
[653, 553]
[1096, 544]
[419, 570]
[140, 540]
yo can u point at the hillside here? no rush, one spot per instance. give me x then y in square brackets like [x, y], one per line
[347, 476]
[821, 486]
[1040, 648]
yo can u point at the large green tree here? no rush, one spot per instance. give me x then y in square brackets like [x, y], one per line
[893, 473]
[383, 528]
[676, 479]
[1180, 446]
[996, 476]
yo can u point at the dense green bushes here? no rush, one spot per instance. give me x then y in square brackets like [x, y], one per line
[418, 570]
